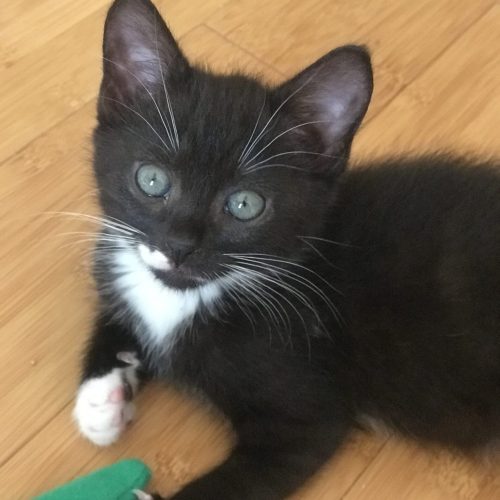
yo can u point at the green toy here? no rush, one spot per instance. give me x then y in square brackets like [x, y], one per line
[115, 482]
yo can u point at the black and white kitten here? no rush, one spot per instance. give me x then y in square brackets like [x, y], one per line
[236, 260]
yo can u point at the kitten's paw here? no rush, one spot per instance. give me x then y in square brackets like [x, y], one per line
[103, 407]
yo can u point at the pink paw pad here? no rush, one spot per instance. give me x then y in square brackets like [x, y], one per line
[117, 395]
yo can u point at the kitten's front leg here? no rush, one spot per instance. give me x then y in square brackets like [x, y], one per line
[270, 465]
[110, 378]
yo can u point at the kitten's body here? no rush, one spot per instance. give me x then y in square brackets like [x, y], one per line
[375, 294]
[421, 293]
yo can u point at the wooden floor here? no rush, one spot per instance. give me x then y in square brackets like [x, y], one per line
[437, 74]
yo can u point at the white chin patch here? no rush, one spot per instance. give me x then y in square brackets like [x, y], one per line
[162, 309]
[154, 258]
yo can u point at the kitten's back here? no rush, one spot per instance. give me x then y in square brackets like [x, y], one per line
[422, 284]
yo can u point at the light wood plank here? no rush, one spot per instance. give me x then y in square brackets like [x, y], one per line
[49, 71]
[56, 78]
[26, 25]
[334, 480]
[206, 47]
[454, 105]
[403, 470]
[403, 36]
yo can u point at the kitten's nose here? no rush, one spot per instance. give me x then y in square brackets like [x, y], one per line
[180, 248]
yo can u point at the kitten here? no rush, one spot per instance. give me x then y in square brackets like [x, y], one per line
[240, 260]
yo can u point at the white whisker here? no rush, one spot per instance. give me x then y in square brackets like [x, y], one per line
[264, 296]
[294, 153]
[251, 170]
[281, 135]
[168, 149]
[291, 289]
[251, 292]
[328, 241]
[299, 279]
[167, 130]
[244, 153]
[273, 303]
[272, 258]
[106, 221]
[167, 96]
[310, 245]
[255, 142]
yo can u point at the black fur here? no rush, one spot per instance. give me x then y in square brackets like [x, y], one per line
[397, 316]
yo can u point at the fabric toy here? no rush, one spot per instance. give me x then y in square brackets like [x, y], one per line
[115, 482]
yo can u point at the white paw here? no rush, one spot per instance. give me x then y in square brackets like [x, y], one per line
[103, 408]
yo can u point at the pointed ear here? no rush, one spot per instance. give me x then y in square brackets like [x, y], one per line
[332, 95]
[139, 53]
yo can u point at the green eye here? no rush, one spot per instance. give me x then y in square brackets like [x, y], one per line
[152, 180]
[245, 205]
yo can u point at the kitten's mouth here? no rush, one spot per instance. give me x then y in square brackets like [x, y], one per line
[165, 270]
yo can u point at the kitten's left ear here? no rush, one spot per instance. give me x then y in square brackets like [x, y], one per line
[332, 96]
[139, 53]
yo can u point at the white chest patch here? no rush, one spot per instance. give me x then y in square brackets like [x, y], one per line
[161, 308]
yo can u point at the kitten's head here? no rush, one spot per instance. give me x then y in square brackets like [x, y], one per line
[204, 165]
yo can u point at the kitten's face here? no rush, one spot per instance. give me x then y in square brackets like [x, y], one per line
[208, 167]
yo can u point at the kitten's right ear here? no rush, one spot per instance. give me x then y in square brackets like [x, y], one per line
[140, 55]
[328, 99]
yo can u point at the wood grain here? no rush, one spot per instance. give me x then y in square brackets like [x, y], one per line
[452, 105]
[53, 76]
[437, 73]
[404, 36]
